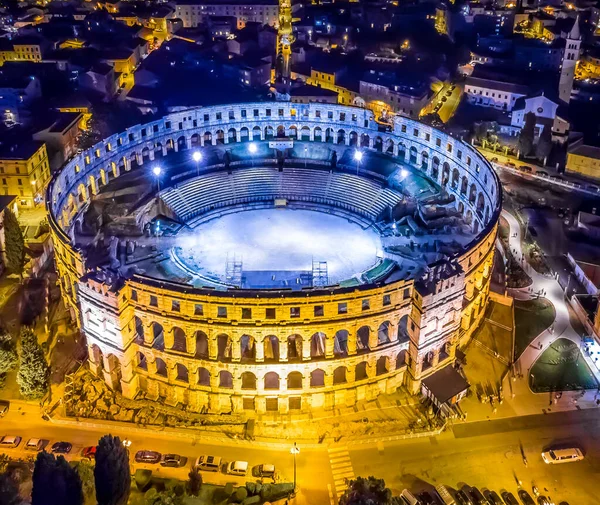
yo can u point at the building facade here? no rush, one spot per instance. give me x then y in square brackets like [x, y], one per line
[194, 12]
[232, 350]
[24, 172]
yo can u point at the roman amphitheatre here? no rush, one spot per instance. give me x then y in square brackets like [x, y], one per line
[274, 257]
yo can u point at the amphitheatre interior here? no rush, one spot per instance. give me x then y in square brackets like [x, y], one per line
[312, 257]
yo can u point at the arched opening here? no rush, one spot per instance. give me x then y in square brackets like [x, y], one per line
[220, 134]
[317, 378]
[247, 349]
[256, 133]
[207, 137]
[281, 131]
[245, 134]
[201, 345]
[142, 362]
[402, 358]
[383, 333]
[268, 132]
[455, 179]
[461, 207]
[341, 137]
[146, 153]
[464, 185]
[225, 379]
[402, 331]
[158, 334]
[469, 217]
[182, 373]
[353, 138]
[424, 161]
[194, 139]
[389, 146]
[382, 365]
[318, 134]
[223, 348]
[248, 380]
[435, 168]
[294, 348]
[305, 133]
[378, 145]
[427, 361]
[480, 204]
[179, 340]
[181, 144]
[365, 140]
[445, 351]
[413, 155]
[293, 132]
[360, 372]
[203, 377]
[329, 135]
[472, 194]
[294, 380]
[362, 338]
[340, 344]
[139, 330]
[271, 380]
[97, 356]
[445, 174]
[339, 375]
[231, 135]
[317, 346]
[271, 348]
[402, 151]
[161, 367]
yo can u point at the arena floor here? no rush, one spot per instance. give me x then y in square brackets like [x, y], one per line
[279, 240]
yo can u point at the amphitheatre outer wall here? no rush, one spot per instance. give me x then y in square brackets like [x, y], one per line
[159, 339]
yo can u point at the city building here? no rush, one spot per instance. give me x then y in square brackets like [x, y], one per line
[583, 159]
[17, 92]
[494, 93]
[195, 12]
[548, 113]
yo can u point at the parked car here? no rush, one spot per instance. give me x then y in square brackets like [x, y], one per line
[4, 407]
[209, 463]
[492, 497]
[89, 452]
[148, 457]
[35, 444]
[526, 497]
[543, 500]
[61, 448]
[173, 460]
[463, 498]
[562, 455]
[478, 497]
[509, 498]
[427, 499]
[265, 471]
[239, 468]
[10, 441]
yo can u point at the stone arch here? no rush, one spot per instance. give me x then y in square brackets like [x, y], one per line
[435, 168]
[424, 161]
[294, 348]
[207, 138]
[142, 361]
[340, 344]
[158, 334]
[401, 150]
[225, 379]
[245, 133]
[360, 371]
[256, 133]
[247, 348]
[305, 133]
[271, 380]
[389, 146]
[271, 348]
[318, 134]
[182, 373]
[203, 376]
[382, 366]
[231, 135]
[464, 185]
[402, 331]
[181, 143]
[317, 378]
[402, 358]
[248, 380]
[194, 140]
[293, 132]
[97, 356]
[476, 226]
[317, 345]
[353, 138]
[461, 207]
[472, 194]
[268, 132]
[220, 136]
[281, 131]
[378, 144]
[383, 333]
[223, 347]
[138, 330]
[469, 217]
[480, 204]
[341, 136]
[179, 340]
[145, 153]
[294, 380]
[329, 135]
[201, 344]
[339, 375]
[445, 174]
[362, 338]
[455, 178]
[161, 367]
[413, 155]
[365, 140]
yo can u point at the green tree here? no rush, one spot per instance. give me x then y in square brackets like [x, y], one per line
[55, 482]
[527, 135]
[194, 483]
[111, 473]
[8, 356]
[544, 145]
[86, 473]
[9, 490]
[14, 244]
[369, 491]
[34, 372]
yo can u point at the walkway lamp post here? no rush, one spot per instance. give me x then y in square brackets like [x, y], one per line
[197, 157]
[305, 155]
[252, 149]
[295, 450]
[157, 171]
[358, 156]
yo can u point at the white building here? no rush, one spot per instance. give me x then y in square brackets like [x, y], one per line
[491, 93]
[547, 112]
[194, 12]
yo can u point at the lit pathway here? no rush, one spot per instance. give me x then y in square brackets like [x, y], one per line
[555, 294]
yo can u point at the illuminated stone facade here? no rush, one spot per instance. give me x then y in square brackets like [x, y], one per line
[158, 339]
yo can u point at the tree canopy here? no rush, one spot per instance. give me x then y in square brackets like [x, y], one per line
[527, 135]
[111, 473]
[14, 243]
[367, 491]
[8, 354]
[34, 372]
[55, 482]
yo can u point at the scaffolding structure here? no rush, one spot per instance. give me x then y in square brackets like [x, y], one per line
[320, 276]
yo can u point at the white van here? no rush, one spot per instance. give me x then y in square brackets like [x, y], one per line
[554, 456]
[238, 468]
[208, 463]
[444, 493]
[409, 498]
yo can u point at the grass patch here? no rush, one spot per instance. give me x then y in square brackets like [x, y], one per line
[532, 317]
[561, 367]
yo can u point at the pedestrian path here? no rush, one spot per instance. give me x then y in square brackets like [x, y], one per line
[341, 468]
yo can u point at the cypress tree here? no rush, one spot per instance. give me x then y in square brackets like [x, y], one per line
[34, 372]
[14, 244]
[111, 473]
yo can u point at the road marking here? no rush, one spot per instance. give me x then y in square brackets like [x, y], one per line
[341, 468]
[331, 497]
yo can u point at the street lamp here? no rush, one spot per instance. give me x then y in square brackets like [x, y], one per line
[252, 149]
[197, 157]
[295, 450]
[305, 155]
[358, 156]
[157, 171]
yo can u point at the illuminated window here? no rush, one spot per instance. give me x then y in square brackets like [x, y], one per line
[366, 304]
[294, 311]
[221, 311]
[198, 310]
[246, 313]
[387, 300]
[342, 308]
[176, 306]
[153, 301]
[319, 311]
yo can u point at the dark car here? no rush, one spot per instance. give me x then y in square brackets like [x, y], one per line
[62, 448]
[4, 407]
[174, 460]
[463, 498]
[148, 457]
[478, 497]
[509, 498]
[526, 497]
[542, 500]
[492, 497]
[426, 499]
